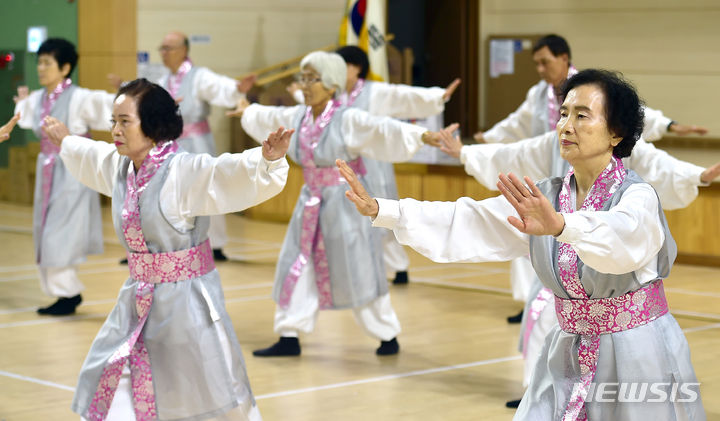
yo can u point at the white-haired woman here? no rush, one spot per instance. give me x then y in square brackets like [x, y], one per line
[331, 257]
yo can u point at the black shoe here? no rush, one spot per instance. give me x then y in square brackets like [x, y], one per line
[285, 347]
[124, 261]
[512, 404]
[516, 318]
[219, 256]
[62, 307]
[388, 347]
[400, 278]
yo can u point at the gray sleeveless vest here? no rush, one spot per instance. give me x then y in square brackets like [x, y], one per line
[73, 224]
[544, 250]
[353, 247]
[190, 375]
[193, 110]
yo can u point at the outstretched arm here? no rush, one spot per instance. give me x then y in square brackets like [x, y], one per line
[384, 138]
[405, 101]
[8, 127]
[623, 239]
[532, 157]
[465, 230]
[657, 125]
[93, 163]
[227, 183]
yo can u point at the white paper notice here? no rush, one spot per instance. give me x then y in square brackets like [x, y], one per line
[502, 57]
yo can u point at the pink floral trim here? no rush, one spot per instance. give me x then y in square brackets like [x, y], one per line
[136, 183]
[312, 242]
[198, 128]
[175, 80]
[143, 263]
[553, 106]
[604, 187]
[538, 304]
[49, 150]
[352, 96]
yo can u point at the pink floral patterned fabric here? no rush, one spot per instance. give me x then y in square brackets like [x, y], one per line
[591, 318]
[174, 80]
[195, 129]
[537, 306]
[553, 106]
[349, 99]
[148, 269]
[311, 238]
[174, 266]
[49, 150]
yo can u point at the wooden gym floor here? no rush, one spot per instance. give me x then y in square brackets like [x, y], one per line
[458, 357]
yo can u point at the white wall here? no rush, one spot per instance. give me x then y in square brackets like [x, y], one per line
[245, 35]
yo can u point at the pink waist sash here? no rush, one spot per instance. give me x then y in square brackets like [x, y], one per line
[198, 128]
[312, 243]
[608, 315]
[173, 266]
[318, 177]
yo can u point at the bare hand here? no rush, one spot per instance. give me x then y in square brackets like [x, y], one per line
[479, 137]
[450, 145]
[357, 194]
[277, 143]
[246, 83]
[114, 80]
[537, 215]
[55, 130]
[7, 128]
[710, 173]
[293, 87]
[685, 130]
[451, 89]
[433, 138]
[22, 93]
[242, 104]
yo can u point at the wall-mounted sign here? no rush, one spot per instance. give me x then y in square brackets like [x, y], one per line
[36, 35]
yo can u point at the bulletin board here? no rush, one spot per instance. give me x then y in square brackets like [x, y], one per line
[509, 73]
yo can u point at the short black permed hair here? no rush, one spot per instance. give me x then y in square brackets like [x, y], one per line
[624, 110]
[160, 118]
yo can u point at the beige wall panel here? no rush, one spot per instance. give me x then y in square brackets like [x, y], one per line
[244, 35]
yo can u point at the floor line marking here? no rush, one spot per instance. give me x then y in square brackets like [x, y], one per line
[38, 381]
[389, 377]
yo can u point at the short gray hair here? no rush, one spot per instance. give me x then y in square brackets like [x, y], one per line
[330, 66]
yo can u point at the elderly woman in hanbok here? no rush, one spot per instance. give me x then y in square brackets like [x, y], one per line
[66, 215]
[331, 257]
[168, 349]
[598, 239]
[675, 181]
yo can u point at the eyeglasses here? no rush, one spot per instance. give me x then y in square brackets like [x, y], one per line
[305, 80]
[166, 48]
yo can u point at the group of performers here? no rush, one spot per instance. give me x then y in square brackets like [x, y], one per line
[588, 216]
